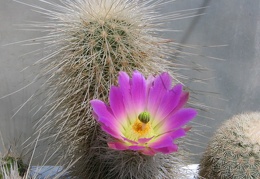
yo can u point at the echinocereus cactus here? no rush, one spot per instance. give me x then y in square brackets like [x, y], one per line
[89, 42]
[234, 151]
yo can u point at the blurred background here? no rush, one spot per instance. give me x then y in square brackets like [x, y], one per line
[228, 30]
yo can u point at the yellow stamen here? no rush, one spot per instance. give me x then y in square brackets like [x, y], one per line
[141, 128]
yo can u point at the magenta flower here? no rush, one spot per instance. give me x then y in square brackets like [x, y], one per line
[144, 115]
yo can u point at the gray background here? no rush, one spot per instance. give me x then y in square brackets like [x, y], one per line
[235, 23]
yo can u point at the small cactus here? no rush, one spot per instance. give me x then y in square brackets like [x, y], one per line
[12, 167]
[234, 151]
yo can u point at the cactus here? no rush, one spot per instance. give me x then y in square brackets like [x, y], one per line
[90, 42]
[234, 151]
[14, 163]
[9, 171]
[12, 167]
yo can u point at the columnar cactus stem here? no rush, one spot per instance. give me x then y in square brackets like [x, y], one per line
[90, 42]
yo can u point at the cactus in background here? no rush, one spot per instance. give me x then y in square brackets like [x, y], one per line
[89, 42]
[15, 164]
[9, 170]
[234, 151]
[12, 167]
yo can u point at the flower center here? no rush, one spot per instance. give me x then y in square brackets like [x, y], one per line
[141, 128]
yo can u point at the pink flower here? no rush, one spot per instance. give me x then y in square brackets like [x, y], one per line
[144, 115]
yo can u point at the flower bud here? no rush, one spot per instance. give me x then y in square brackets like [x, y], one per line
[144, 117]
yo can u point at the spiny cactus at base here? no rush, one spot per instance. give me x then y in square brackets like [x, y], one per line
[234, 151]
[104, 162]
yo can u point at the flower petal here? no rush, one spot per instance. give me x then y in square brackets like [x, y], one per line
[148, 151]
[124, 80]
[110, 131]
[117, 145]
[157, 91]
[144, 140]
[138, 92]
[178, 133]
[168, 103]
[166, 80]
[167, 150]
[136, 147]
[101, 110]
[130, 141]
[117, 105]
[111, 124]
[183, 100]
[177, 120]
[165, 142]
[149, 82]
[162, 141]
[125, 86]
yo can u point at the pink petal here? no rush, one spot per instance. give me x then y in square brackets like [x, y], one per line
[144, 140]
[111, 124]
[117, 105]
[167, 139]
[110, 131]
[149, 81]
[166, 80]
[125, 86]
[168, 103]
[162, 141]
[138, 92]
[177, 134]
[124, 80]
[136, 147]
[167, 150]
[101, 110]
[117, 145]
[130, 141]
[183, 100]
[148, 151]
[179, 119]
[157, 92]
